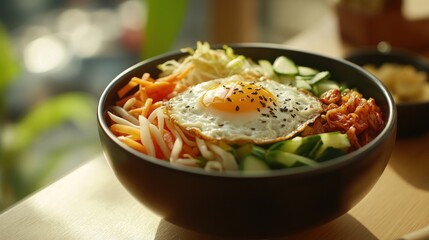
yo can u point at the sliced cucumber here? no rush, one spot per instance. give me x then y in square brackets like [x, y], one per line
[287, 159]
[284, 66]
[330, 153]
[252, 164]
[267, 68]
[307, 71]
[319, 77]
[290, 145]
[324, 86]
[334, 140]
[310, 146]
[302, 84]
[250, 149]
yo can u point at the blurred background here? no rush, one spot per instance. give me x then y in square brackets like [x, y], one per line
[56, 57]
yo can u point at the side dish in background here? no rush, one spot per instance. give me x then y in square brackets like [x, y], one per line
[222, 111]
[405, 82]
[405, 74]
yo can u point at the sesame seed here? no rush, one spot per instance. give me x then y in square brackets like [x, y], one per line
[229, 99]
[237, 108]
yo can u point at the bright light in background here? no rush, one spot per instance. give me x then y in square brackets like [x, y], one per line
[44, 54]
[132, 14]
[84, 38]
[107, 20]
[83, 34]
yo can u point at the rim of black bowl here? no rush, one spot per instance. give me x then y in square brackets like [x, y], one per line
[323, 166]
[405, 56]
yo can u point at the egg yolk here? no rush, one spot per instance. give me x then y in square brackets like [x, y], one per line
[237, 97]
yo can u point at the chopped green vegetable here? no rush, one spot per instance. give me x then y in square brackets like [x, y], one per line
[319, 77]
[267, 68]
[309, 146]
[250, 149]
[335, 140]
[308, 150]
[287, 159]
[307, 71]
[302, 84]
[324, 86]
[284, 66]
[252, 164]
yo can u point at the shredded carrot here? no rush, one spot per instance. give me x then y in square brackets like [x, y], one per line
[162, 93]
[146, 107]
[125, 89]
[149, 96]
[169, 78]
[154, 106]
[158, 86]
[134, 144]
[122, 129]
[142, 82]
[136, 111]
[142, 93]
[122, 101]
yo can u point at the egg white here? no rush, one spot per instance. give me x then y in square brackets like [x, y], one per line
[293, 111]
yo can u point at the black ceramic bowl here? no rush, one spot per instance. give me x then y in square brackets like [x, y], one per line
[412, 116]
[234, 204]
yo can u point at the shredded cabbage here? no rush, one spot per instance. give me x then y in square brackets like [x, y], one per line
[210, 64]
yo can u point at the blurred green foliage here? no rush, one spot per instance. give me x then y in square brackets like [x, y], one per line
[16, 138]
[164, 22]
[8, 68]
[17, 179]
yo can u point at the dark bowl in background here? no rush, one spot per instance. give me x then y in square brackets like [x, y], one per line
[412, 116]
[234, 204]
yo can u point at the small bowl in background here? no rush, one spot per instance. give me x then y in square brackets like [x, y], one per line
[412, 116]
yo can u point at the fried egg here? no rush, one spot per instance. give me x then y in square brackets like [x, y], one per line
[239, 110]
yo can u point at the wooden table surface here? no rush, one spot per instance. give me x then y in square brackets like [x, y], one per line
[90, 203]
